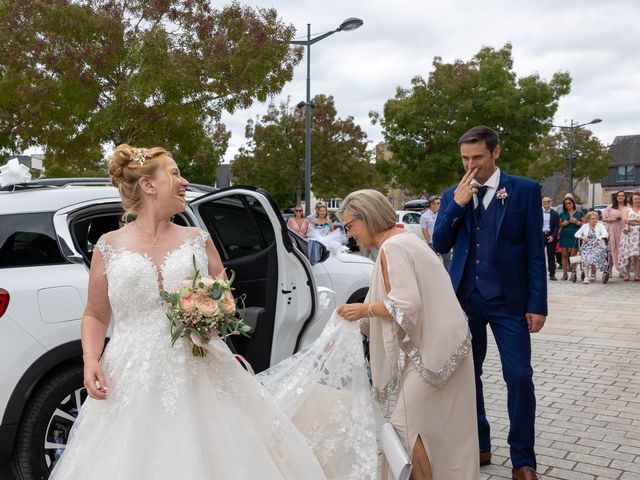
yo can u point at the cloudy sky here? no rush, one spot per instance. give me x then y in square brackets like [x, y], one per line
[596, 41]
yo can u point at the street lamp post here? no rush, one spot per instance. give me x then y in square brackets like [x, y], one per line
[346, 26]
[572, 128]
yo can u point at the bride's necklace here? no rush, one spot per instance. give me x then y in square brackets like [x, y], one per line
[156, 238]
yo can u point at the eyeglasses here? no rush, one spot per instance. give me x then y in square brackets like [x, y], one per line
[347, 226]
[298, 211]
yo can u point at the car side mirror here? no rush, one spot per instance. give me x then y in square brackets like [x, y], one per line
[317, 252]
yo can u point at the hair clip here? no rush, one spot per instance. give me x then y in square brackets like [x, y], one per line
[140, 155]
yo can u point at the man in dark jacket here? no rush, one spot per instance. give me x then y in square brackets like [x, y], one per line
[492, 221]
[550, 227]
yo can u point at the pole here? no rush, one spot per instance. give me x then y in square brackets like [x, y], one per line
[570, 176]
[307, 139]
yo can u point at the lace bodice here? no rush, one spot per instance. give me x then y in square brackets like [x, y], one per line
[134, 280]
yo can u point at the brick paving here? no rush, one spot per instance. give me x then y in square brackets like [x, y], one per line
[587, 376]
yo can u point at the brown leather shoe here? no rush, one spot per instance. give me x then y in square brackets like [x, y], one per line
[485, 458]
[524, 473]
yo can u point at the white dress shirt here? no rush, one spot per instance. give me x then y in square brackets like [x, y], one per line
[546, 220]
[492, 187]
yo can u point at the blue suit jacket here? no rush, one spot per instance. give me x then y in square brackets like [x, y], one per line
[521, 263]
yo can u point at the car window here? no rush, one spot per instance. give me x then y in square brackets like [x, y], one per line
[87, 231]
[27, 240]
[412, 218]
[240, 224]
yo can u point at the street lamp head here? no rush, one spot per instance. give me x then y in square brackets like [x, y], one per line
[349, 24]
[596, 120]
[301, 104]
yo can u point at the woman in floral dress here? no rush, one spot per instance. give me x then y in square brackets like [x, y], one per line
[593, 249]
[630, 239]
[613, 219]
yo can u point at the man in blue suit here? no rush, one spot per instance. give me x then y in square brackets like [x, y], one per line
[493, 221]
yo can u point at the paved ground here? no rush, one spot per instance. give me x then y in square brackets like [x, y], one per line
[587, 376]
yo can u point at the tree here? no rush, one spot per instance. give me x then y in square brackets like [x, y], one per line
[275, 153]
[590, 157]
[79, 75]
[423, 123]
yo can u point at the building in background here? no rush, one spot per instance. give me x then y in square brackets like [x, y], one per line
[624, 170]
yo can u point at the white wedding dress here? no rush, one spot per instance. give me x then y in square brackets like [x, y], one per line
[170, 415]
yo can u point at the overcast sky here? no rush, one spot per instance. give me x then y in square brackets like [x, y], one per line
[596, 41]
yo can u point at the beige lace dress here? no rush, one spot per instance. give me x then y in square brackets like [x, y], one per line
[427, 361]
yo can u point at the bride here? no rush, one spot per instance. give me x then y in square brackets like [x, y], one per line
[156, 411]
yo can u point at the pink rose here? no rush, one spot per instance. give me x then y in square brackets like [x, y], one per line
[229, 302]
[206, 305]
[187, 303]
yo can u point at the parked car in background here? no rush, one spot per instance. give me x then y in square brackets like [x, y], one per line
[600, 208]
[48, 233]
[417, 205]
[409, 221]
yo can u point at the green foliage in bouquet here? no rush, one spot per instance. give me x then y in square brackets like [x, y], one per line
[203, 306]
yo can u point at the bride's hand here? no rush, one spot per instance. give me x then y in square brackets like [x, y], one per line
[352, 311]
[94, 380]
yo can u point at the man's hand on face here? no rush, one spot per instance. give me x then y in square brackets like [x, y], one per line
[464, 191]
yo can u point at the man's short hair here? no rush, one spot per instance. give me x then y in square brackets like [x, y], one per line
[481, 133]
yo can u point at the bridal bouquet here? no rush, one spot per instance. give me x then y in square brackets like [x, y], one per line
[201, 307]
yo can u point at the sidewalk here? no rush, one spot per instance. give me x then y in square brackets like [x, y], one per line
[587, 376]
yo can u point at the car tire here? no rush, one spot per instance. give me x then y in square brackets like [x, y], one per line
[62, 390]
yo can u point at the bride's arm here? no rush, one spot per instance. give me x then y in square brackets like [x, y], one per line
[215, 262]
[93, 328]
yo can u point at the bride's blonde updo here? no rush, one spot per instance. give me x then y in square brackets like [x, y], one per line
[127, 165]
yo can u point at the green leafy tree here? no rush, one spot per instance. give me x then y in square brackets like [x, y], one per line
[273, 157]
[80, 75]
[423, 123]
[590, 157]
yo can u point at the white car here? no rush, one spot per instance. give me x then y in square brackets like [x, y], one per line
[48, 232]
[410, 221]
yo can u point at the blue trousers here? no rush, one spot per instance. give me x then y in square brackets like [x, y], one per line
[514, 345]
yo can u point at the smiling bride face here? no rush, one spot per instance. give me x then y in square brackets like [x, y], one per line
[147, 178]
[170, 187]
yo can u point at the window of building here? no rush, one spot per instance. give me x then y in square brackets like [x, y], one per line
[626, 173]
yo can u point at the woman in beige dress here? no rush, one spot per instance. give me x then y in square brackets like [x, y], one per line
[412, 313]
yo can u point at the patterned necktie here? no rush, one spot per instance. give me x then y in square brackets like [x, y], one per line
[482, 191]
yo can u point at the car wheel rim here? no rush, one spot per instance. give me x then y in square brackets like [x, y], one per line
[60, 423]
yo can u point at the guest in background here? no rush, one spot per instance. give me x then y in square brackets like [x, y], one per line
[312, 218]
[428, 220]
[593, 249]
[629, 256]
[570, 222]
[298, 223]
[323, 223]
[550, 227]
[613, 219]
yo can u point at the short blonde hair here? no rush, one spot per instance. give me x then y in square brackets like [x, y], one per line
[372, 207]
[129, 164]
[592, 214]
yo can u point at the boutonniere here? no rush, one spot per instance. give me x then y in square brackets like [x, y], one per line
[502, 195]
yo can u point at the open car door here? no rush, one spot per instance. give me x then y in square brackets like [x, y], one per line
[270, 272]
